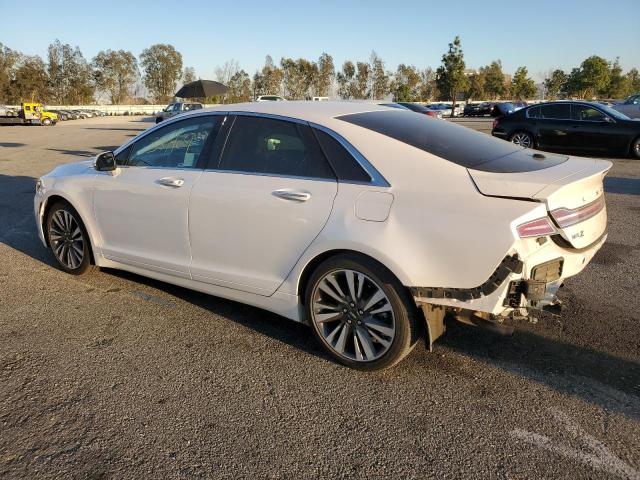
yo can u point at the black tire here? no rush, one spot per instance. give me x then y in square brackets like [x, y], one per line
[46, 122]
[519, 137]
[635, 148]
[406, 318]
[77, 266]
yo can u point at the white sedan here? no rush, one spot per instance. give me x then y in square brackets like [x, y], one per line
[371, 224]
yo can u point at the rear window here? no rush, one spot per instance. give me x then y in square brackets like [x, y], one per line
[454, 143]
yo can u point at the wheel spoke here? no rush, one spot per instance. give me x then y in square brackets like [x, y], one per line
[77, 233]
[57, 219]
[332, 280]
[377, 325]
[385, 308]
[351, 282]
[342, 340]
[335, 331]
[360, 286]
[367, 344]
[356, 346]
[323, 306]
[327, 317]
[379, 339]
[375, 298]
[326, 288]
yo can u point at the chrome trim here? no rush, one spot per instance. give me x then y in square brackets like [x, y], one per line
[571, 113]
[377, 179]
[275, 175]
[269, 115]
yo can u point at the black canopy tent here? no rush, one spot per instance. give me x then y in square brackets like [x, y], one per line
[202, 89]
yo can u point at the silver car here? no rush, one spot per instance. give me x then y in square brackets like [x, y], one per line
[630, 106]
[176, 109]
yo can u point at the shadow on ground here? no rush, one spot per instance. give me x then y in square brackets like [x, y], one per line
[595, 377]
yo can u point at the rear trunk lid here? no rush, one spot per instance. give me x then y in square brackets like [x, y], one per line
[571, 188]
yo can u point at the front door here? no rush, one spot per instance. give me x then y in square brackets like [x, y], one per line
[142, 208]
[595, 131]
[255, 212]
[554, 126]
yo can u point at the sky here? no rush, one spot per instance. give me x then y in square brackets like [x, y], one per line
[539, 34]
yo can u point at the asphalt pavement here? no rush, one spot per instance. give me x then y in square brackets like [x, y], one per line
[113, 375]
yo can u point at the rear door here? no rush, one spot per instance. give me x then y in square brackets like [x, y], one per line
[554, 126]
[254, 212]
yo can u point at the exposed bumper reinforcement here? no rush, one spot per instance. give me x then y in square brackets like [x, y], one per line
[510, 264]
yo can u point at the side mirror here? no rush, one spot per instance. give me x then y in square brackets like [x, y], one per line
[105, 162]
[607, 120]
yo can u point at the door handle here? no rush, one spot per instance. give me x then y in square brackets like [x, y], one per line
[171, 182]
[294, 196]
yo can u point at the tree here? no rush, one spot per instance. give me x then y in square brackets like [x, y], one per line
[360, 84]
[476, 86]
[595, 76]
[345, 80]
[379, 78]
[30, 82]
[522, 87]
[633, 81]
[239, 87]
[162, 65]
[406, 84]
[269, 80]
[70, 75]
[225, 72]
[618, 84]
[554, 83]
[450, 75]
[326, 74]
[8, 60]
[494, 80]
[428, 89]
[298, 77]
[189, 75]
[574, 85]
[115, 72]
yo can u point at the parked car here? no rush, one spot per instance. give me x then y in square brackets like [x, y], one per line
[176, 109]
[348, 216]
[271, 98]
[630, 106]
[444, 109]
[571, 127]
[61, 115]
[418, 108]
[519, 105]
[502, 108]
[486, 108]
[8, 111]
[471, 110]
[71, 115]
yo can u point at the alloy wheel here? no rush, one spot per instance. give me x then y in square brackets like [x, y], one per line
[65, 237]
[353, 315]
[522, 139]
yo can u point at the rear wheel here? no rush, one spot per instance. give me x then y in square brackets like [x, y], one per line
[68, 239]
[635, 148]
[523, 139]
[360, 313]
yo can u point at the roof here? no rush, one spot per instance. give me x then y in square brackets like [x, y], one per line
[317, 112]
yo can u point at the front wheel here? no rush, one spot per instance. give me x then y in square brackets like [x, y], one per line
[635, 148]
[68, 239]
[46, 122]
[523, 139]
[360, 313]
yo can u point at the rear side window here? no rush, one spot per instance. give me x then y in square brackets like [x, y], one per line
[533, 112]
[274, 147]
[455, 143]
[346, 167]
[560, 111]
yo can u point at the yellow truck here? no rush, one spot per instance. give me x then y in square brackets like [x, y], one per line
[29, 114]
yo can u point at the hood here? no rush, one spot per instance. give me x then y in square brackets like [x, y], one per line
[74, 168]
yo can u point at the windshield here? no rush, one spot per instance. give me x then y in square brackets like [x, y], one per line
[613, 112]
[168, 108]
[455, 143]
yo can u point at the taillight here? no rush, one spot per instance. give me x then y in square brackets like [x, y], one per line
[495, 123]
[566, 217]
[539, 227]
[431, 114]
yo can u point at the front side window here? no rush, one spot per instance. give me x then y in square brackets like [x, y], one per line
[586, 113]
[533, 112]
[178, 145]
[559, 111]
[274, 147]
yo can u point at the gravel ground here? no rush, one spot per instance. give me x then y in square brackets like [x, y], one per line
[116, 376]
